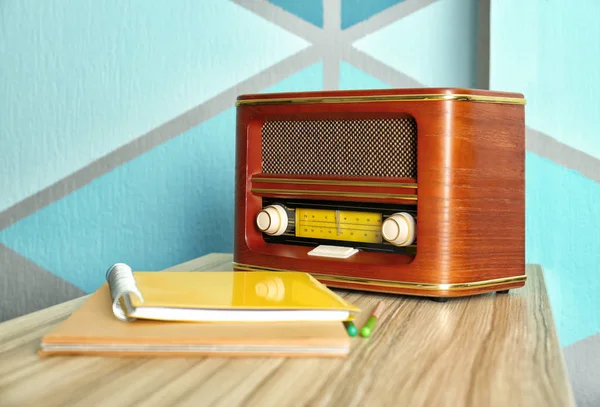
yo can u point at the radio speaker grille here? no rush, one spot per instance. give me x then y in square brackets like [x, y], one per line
[368, 147]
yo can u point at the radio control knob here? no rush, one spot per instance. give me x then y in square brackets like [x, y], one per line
[399, 229]
[272, 220]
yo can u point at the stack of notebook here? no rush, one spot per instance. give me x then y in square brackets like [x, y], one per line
[206, 313]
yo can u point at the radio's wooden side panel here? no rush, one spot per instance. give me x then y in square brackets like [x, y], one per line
[470, 206]
[473, 181]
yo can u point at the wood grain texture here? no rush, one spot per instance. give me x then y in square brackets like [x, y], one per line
[470, 195]
[477, 351]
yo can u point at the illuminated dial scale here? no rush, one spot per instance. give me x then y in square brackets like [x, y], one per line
[352, 226]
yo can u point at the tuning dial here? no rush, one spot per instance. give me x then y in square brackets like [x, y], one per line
[399, 229]
[272, 220]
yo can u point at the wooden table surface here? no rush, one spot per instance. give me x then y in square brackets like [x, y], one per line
[490, 350]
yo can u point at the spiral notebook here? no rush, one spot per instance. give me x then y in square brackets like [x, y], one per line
[223, 296]
[105, 325]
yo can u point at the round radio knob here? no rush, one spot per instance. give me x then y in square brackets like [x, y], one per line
[399, 229]
[272, 220]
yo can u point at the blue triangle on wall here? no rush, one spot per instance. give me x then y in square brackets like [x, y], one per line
[308, 10]
[355, 11]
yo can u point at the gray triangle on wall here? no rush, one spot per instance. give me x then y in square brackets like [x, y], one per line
[581, 359]
[26, 287]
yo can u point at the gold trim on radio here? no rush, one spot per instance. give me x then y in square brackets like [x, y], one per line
[383, 98]
[328, 193]
[335, 182]
[399, 284]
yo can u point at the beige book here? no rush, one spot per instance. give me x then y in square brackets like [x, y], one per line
[94, 330]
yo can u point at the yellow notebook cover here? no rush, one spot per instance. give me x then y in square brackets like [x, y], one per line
[224, 296]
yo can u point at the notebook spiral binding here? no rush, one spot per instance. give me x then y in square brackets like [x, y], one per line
[122, 284]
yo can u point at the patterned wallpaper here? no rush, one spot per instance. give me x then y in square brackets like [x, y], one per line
[117, 130]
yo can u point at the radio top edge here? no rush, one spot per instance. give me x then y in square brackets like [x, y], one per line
[383, 95]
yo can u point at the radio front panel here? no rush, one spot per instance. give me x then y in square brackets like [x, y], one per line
[329, 181]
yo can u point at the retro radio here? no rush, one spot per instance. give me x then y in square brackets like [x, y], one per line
[411, 191]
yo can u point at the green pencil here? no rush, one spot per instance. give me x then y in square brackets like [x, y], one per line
[351, 328]
[370, 325]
